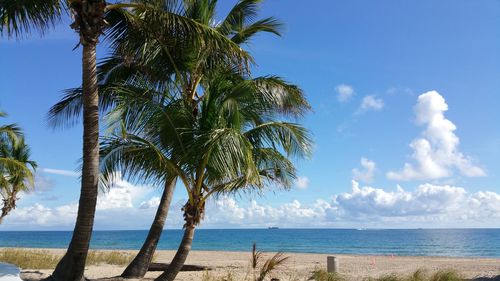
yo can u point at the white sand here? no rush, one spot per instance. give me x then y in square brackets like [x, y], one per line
[300, 266]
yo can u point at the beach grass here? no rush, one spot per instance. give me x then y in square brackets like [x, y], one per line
[32, 259]
[112, 257]
[421, 275]
[323, 275]
[207, 276]
[40, 259]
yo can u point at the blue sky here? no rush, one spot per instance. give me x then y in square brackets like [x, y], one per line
[381, 56]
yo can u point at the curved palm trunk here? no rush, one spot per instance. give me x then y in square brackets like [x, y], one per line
[72, 265]
[180, 257]
[8, 205]
[140, 265]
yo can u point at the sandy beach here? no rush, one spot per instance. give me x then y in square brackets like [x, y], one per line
[300, 266]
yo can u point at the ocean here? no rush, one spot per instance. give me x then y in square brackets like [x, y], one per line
[410, 242]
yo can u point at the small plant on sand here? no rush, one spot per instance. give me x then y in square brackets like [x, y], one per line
[418, 275]
[390, 277]
[207, 276]
[261, 271]
[323, 275]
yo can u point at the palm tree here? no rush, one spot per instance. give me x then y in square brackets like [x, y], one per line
[15, 179]
[16, 168]
[239, 26]
[9, 135]
[22, 16]
[153, 55]
[237, 139]
[89, 22]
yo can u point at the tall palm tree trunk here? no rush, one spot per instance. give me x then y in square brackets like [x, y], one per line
[72, 265]
[180, 257]
[140, 265]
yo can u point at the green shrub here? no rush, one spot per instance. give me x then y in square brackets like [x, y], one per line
[390, 277]
[207, 276]
[322, 275]
[420, 275]
[447, 275]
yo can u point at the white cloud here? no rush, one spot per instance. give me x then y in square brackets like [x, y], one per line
[435, 153]
[371, 103]
[426, 200]
[38, 216]
[152, 203]
[368, 172]
[66, 173]
[121, 194]
[226, 212]
[344, 92]
[428, 205]
[302, 182]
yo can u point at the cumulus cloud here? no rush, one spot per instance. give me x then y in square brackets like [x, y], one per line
[426, 200]
[344, 92]
[302, 182]
[121, 194]
[428, 205]
[112, 210]
[226, 211]
[38, 216]
[436, 152]
[371, 103]
[367, 174]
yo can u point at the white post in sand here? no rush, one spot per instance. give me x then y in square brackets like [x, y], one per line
[332, 264]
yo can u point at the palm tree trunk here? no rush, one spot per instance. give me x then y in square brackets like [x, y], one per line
[140, 265]
[8, 205]
[5, 212]
[72, 265]
[180, 257]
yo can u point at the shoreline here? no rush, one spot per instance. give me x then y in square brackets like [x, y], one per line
[300, 265]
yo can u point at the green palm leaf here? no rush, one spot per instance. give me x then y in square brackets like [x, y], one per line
[24, 16]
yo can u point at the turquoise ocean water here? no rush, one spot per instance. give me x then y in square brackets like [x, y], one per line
[414, 242]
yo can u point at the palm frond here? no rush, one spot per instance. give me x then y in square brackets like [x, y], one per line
[170, 27]
[68, 111]
[272, 264]
[229, 154]
[23, 16]
[242, 12]
[282, 97]
[244, 33]
[10, 132]
[292, 138]
[137, 159]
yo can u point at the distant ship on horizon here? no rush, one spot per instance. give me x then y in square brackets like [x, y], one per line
[273, 227]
